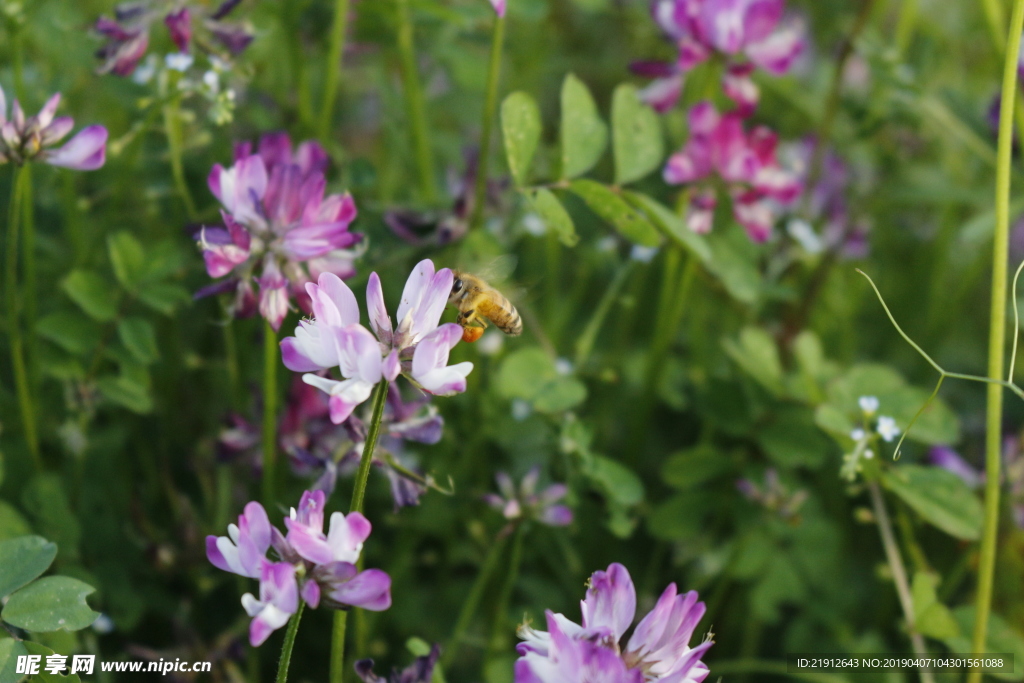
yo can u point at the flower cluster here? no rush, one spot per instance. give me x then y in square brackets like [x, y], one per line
[525, 502]
[127, 33]
[420, 671]
[418, 347]
[24, 139]
[277, 224]
[864, 437]
[312, 566]
[746, 33]
[657, 651]
[774, 496]
[720, 148]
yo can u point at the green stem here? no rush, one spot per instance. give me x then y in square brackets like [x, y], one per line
[231, 363]
[29, 308]
[490, 101]
[21, 381]
[289, 643]
[997, 339]
[585, 344]
[172, 128]
[498, 629]
[899, 574]
[416, 106]
[472, 601]
[380, 399]
[270, 361]
[335, 54]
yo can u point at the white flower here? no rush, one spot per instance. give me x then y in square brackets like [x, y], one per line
[887, 428]
[857, 434]
[179, 61]
[869, 404]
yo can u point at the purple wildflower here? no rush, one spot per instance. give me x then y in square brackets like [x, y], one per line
[24, 139]
[418, 348]
[127, 33]
[773, 496]
[748, 33]
[313, 566]
[658, 649]
[525, 502]
[420, 671]
[279, 228]
[719, 147]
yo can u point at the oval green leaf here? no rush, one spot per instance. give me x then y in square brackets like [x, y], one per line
[554, 215]
[23, 559]
[940, 497]
[138, 337]
[92, 293]
[521, 129]
[52, 603]
[637, 142]
[584, 135]
[612, 208]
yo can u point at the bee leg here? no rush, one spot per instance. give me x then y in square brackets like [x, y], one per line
[466, 318]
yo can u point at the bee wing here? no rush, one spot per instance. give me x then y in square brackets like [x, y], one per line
[499, 269]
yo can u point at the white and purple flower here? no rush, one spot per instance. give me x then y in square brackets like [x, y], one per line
[525, 502]
[24, 139]
[312, 565]
[279, 228]
[658, 650]
[719, 147]
[418, 347]
[748, 33]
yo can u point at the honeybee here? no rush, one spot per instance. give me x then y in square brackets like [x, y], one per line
[477, 303]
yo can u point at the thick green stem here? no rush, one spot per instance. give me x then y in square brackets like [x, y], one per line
[472, 601]
[490, 101]
[997, 338]
[498, 628]
[21, 380]
[172, 128]
[380, 399]
[270, 361]
[28, 286]
[289, 643]
[899, 574]
[335, 54]
[415, 103]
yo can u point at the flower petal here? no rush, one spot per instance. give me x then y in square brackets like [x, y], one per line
[84, 152]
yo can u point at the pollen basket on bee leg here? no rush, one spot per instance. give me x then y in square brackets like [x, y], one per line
[471, 334]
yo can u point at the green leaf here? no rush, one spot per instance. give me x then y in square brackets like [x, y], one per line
[10, 650]
[939, 496]
[1002, 637]
[931, 617]
[756, 353]
[670, 224]
[43, 676]
[636, 136]
[45, 499]
[127, 392]
[127, 258]
[695, 466]
[521, 129]
[524, 372]
[138, 337]
[681, 517]
[164, 297]
[23, 559]
[92, 293]
[560, 395]
[834, 421]
[584, 135]
[554, 215]
[615, 480]
[791, 439]
[70, 330]
[50, 604]
[734, 263]
[614, 209]
[12, 524]
[780, 583]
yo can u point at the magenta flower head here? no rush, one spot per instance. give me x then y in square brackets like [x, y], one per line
[657, 651]
[279, 228]
[316, 567]
[420, 671]
[719, 147]
[418, 347]
[525, 502]
[747, 33]
[127, 33]
[27, 139]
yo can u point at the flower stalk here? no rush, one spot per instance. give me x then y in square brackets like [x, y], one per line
[19, 189]
[334, 56]
[172, 128]
[997, 337]
[472, 602]
[270, 360]
[416, 106]
[29, 284]
[490, 101]
[899, 573]
[289, 644]
[499, 628]
[380, 396]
